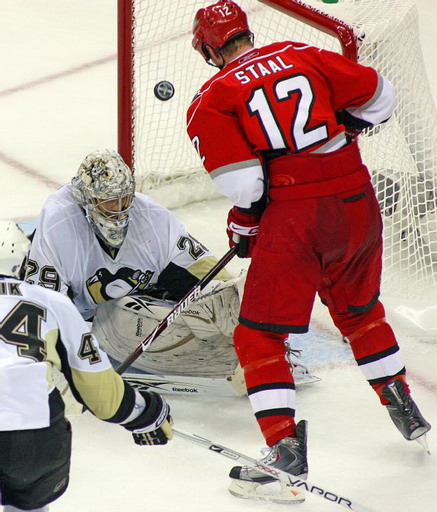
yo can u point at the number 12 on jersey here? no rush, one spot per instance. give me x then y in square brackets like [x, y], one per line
[302, 137]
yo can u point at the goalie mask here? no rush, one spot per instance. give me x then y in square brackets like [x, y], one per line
[14, 246]
[104, 186]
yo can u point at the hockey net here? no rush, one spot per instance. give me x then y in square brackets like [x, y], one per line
[155, 46]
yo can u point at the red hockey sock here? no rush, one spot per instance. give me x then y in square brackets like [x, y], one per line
[373, 342]
[262, 357]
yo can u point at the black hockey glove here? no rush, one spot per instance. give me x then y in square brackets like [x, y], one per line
[153, 425]
[353, 125]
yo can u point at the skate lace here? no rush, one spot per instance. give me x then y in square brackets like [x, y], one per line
[271, 454]
[293, 356]
[268, 455]
[408, 408]
[292, 352]
[404, 403]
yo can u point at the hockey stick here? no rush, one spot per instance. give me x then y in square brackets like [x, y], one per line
[295, 481]
[191, 296]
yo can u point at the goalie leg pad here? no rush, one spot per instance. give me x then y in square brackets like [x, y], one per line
[121, 325]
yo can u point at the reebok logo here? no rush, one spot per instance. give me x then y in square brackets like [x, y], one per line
[194, 295]
[139, 331]
[185, 390]
[192, 312]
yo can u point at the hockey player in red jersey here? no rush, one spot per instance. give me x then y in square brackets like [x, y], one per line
[272, 128]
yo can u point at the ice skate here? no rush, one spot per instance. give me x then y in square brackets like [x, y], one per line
[301, 373]
[289, 455]
[405, 414]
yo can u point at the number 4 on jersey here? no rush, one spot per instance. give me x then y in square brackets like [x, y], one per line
[88, 350]
[22, 327]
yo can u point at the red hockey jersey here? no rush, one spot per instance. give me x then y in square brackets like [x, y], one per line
[281, 96]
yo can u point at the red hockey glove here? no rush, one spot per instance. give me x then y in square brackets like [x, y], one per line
[242, 231]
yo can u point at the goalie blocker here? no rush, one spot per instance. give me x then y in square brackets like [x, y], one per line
[194, 355]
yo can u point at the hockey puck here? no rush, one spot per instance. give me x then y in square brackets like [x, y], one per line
[164, 90]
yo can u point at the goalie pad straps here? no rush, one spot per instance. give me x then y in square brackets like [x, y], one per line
[270, 384]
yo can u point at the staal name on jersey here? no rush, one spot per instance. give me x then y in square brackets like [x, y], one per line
[260, 69]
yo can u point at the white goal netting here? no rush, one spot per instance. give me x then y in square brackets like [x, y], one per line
[400, 154]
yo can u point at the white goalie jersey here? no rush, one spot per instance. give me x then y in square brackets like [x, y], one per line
[157, 253]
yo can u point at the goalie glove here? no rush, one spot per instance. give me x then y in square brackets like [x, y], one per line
[154, 425]
[242, 231]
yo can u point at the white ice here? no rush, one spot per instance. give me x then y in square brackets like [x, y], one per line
[57, 103]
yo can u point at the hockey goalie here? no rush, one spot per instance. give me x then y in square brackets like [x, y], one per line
[125, 262]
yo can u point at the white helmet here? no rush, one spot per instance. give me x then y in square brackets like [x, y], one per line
[104, 186]
[14, 246]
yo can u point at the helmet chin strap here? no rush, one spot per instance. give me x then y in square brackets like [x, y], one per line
[208, 54]
[219, 66]
[222, 65]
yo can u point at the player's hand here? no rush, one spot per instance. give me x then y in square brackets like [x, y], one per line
[353, 126]
[242, 231]
[154, 425]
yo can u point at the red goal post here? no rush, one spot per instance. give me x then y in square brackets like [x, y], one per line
[125, 75]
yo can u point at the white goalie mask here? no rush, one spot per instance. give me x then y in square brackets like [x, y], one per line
[14, 246]
[104, 186]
